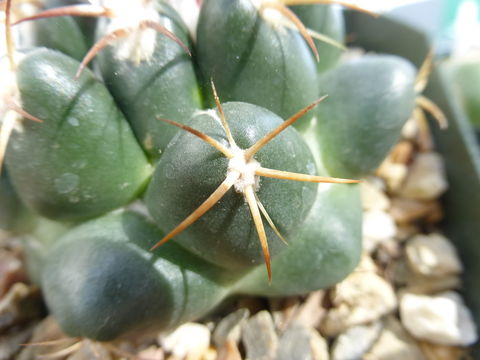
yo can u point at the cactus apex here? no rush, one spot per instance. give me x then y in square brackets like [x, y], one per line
[243, 174]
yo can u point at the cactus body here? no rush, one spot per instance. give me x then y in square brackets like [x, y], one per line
[88, 161]
[328, 21]
[111, 284]
[52, 32]
[190, 170]
[72, 165]
[253, 60]
[165, 87]
[326, 250]
[370, 100]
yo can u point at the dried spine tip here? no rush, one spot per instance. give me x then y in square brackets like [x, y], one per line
[243, 174]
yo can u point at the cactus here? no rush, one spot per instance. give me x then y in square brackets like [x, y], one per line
[109, 165]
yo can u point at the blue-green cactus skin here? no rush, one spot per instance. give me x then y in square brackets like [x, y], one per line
[328, 247]
[164, 86]
[326, 20]
[190, 170]
[252, 61]
[111, 284]
[85, 164]
[73, 165]
[370, 99]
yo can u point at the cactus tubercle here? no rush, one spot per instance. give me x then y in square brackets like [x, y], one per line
[242, 174]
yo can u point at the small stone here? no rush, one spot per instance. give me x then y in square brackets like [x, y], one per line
[373, 198]
[405, 211]
[151, 353]
[229, 351]
[229, 328]
[319, 346]
[432, 255]
[311, 312]
[378, 226]
[11, 270]
[410, 129]
[402, 153]
[295, 344]
[413, 282]
[441, 319]
[406, 231]
[253, 304]
[387, 251]
[361, 298]
[400, 272]
[188, 340]
[22, 303]
[426, 178]
[366, 264]
[283, 311]
[209, 354]
[259, 337]
[12, 342]
[48, 330]
[393, 173]
[443, 352]
[420, 284]
[88, 350]
[394, 343]
[356, 341]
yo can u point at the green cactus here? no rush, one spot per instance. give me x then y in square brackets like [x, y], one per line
[143, 151]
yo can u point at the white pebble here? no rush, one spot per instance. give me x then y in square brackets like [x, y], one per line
[356, 341]
[394, 343]
[378, 226]
[426, 179]
[361, 298]
[373, 198]
[394, 174]
[319, 346]
[432, 255]
[188, 339]
[441, 319]
[410, 129]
